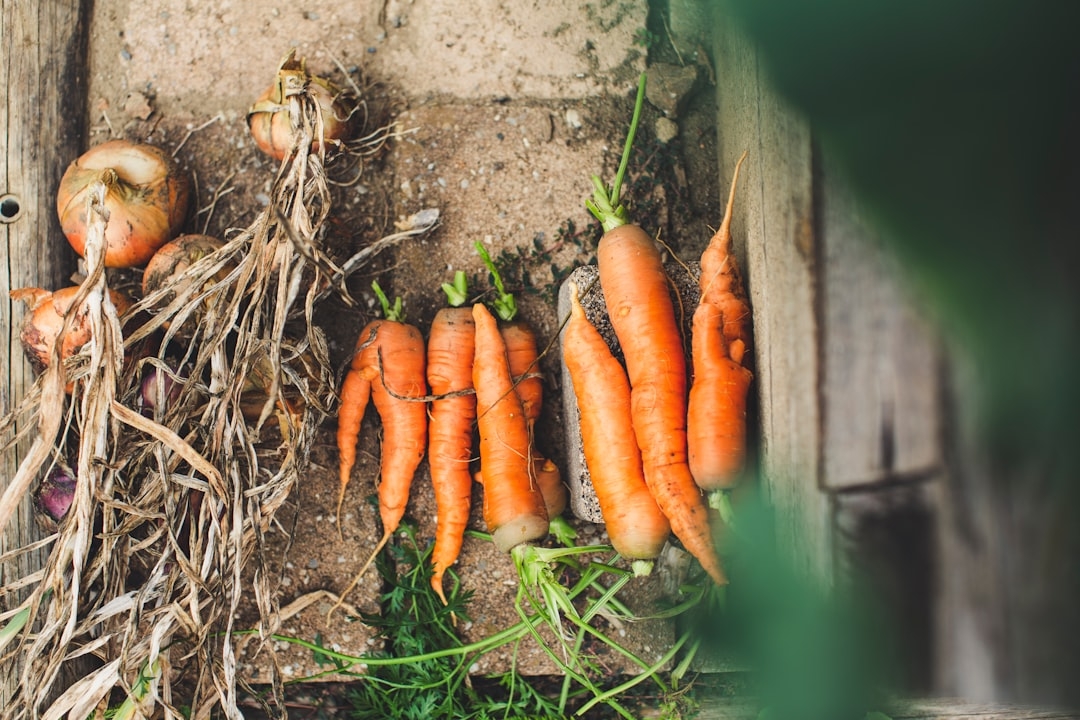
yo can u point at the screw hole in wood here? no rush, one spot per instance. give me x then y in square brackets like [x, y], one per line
[10, 208]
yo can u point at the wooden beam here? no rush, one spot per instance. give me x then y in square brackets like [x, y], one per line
[880, 384]
[43, 50]
[774, 235]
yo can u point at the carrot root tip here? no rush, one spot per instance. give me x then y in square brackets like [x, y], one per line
[437, 586]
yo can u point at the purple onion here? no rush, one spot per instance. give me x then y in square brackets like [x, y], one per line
[56, 493]
[149, 389]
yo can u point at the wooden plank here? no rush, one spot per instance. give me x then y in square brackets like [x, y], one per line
[887, 548]
[42, 64]
[880, 366]
[741, 708]
[773, 229]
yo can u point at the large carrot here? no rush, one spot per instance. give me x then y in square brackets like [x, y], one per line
[514, 509]
[635, 524]
[450, 426]
[635, 289]
[716, 416]
[388, 368]
[524, 361]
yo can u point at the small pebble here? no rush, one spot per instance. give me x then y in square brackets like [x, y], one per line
[666, 130]
[465, 184]
[573, 119]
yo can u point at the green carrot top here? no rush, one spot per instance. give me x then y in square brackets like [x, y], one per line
[604, 204]
[504, 303]
[457, 292]
[393, 313]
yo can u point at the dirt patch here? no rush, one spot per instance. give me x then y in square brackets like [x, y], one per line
[502, 114]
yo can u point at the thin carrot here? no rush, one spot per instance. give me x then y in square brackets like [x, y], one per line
[513, 506]
[716, 415]
[388, 367]
[635, 288]
[450, 428]
[636, 526]
[524, 361]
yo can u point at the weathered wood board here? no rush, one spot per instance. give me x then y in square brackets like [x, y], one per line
[773, 232]
[881, 362]
[43, 50]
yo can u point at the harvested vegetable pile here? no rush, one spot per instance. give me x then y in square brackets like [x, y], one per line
[171, 432]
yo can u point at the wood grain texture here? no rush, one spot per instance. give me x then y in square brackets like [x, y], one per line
[742, 708]
[42, 66]
[773, 232]
[881, 359]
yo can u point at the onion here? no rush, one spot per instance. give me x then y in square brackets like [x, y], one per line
[155, 381]
[173, 258]
[146, 197]
[56, 494]
[45, 319]
[269, 121]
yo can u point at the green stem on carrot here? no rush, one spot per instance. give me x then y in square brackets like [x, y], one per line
[720, 500]
[684, 665]
[650, 672]
[504, 303]
[605, 205]
[562, 531]
[458, 291]
[394, 313]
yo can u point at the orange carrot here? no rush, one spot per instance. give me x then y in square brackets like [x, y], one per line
[524, 361]
[635, 289]
[388, 366]
[513, 505]
[636, 526]
[716, 415]
[450, 428]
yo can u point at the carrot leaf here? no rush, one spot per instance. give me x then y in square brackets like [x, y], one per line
[458, 291]
[504, 303]
[394, 313]
[605, 204]
[562, 531]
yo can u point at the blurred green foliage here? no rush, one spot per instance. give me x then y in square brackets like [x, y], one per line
[956, 123]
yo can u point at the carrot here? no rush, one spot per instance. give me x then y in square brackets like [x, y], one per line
[513, 505]
[636, 526]
[524, 360]
[450, 428]
[635, 289]
[388, 366]
[716, 416]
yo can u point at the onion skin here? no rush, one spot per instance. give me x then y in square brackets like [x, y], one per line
[45, 319]
[176, 256]
[147, 200]
[268, 118]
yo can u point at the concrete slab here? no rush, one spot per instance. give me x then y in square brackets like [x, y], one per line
[202, 58]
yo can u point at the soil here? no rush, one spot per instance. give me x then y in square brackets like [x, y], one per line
[499, 116]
